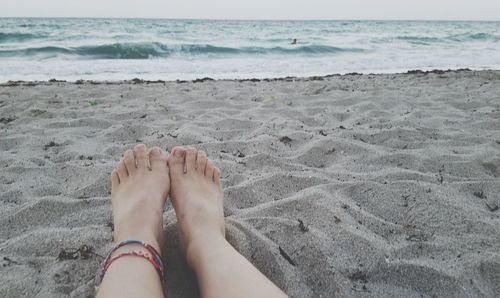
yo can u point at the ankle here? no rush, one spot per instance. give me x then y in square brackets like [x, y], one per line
[152, 236]
[204, 248]
[145, 225]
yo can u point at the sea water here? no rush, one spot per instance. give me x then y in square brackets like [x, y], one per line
[115, 49]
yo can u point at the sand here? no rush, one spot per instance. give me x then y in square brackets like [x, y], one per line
[346, 186]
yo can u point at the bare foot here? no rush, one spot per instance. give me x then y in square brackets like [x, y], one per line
[140, 185]
[197, 198]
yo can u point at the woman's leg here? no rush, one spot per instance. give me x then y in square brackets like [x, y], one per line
[197, 198]
[140, 186]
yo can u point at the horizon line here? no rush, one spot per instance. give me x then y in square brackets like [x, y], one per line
[249, 19]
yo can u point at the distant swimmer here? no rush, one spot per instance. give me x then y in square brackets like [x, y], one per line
[294, 41]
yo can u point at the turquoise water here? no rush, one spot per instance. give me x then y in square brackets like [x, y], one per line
[40, 49]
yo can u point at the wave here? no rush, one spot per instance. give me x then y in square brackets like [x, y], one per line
[464, 37]
[420, 40]
[474, 37]
[17, 37]
[159, 50]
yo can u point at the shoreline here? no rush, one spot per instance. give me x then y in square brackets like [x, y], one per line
[204, 79]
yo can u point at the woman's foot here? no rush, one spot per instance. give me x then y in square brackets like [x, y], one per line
[197, 198]
[140, 185]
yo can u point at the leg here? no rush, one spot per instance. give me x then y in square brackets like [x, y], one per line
[138, 193]
[197, 198]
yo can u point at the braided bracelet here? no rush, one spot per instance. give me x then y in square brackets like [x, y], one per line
[153, 257]
[150, 248]
[135, 253]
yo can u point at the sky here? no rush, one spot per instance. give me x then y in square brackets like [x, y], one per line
[258, 9]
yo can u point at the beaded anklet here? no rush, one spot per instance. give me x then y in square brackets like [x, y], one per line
[152, 256]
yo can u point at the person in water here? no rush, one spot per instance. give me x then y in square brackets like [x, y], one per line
[140, 185]
[294, 41]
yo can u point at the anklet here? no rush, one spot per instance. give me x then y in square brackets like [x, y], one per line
[153, 257]
[150, 248]
[135, 253]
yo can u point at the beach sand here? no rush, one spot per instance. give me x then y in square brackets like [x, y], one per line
[345, 186]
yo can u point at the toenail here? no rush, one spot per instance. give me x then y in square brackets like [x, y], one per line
[155, 151]
[177, 153]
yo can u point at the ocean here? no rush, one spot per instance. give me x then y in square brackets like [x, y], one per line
[116, 49]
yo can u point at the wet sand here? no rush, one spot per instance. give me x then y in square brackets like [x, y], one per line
[346, 186]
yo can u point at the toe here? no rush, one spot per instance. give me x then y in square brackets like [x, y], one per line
[190, 159]
[209, 170]
[122, 170]
[201, 161]
[176, 161]
[129, 160]
[115, 180]
[217, 177]
[157, 159]
[141, 156]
